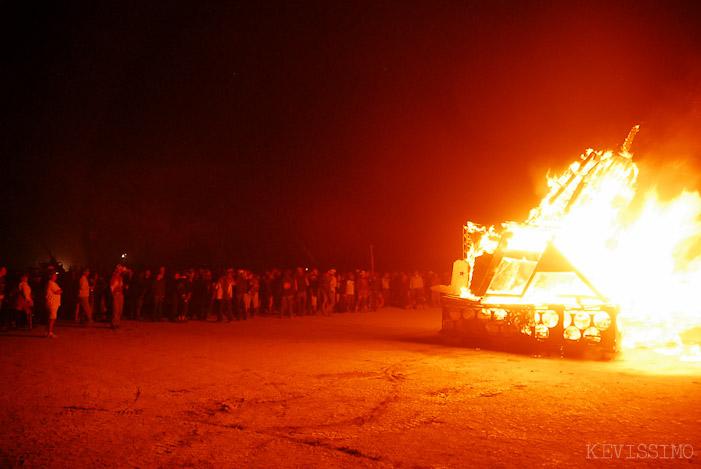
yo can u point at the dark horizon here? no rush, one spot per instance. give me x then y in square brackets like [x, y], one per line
[270, 134]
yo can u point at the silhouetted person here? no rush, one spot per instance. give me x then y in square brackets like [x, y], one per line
[117, 289]
[252, 302]
[184, 287]
[375, 292]
[26, 301]
[330, 284]
[159, 294]
[219, 298]
[3, 288]
[386, 299]
[266, 294]
[172, 296]
[288, 295]
[240, 289]
[142, 287]
[350, 292]
[230, 285]
[301, 284]
[313, 281]
[363, 292]
[416, 290]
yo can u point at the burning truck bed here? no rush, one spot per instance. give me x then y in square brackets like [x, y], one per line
[516, 286]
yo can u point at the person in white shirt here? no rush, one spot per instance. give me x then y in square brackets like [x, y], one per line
[84, 298]
[350, 292]
[53, 302]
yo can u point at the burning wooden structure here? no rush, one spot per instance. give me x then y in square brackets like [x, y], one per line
[516, 284]
[523, 296]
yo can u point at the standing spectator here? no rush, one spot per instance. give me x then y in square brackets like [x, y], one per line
[53, 302]
[288, 294]
[323, 293]
[129, 300]
[199, 296]
[350, 292]
[84, 297]
[266, 294]
[229, 295]
[210, 295]
[172, 297]
[224, 296]
[241, 288]
[253, 295]
[247, 294]
[219, 298]
[375, 292]
[363, 289]
[276, 287]
[331, 285]
[301, 284]
[99, 287]
[117, 289]
[139, 290]
[159, 294]
[416, 290]
[396, 290]
[313, 281]
[3, 285]
[26, 302]
[184, 294]
[385, 290]
[341, 303]
[38, 284]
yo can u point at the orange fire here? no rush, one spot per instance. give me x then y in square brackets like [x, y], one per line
[642, 253]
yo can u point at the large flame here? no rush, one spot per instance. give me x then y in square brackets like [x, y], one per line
[640, 251]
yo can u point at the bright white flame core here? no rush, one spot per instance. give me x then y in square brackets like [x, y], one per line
[640, 255]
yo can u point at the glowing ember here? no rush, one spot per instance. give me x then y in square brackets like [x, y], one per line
[640, 252]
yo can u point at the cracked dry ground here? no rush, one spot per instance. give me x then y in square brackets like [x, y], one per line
[353, 390]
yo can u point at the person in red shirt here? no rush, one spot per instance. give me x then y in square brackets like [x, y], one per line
[288, 294]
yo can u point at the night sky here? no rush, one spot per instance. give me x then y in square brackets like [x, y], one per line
[257, 134]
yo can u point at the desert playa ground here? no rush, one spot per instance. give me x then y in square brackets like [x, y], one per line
[378, 389]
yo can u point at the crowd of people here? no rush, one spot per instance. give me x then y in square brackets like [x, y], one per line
[86, 296]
